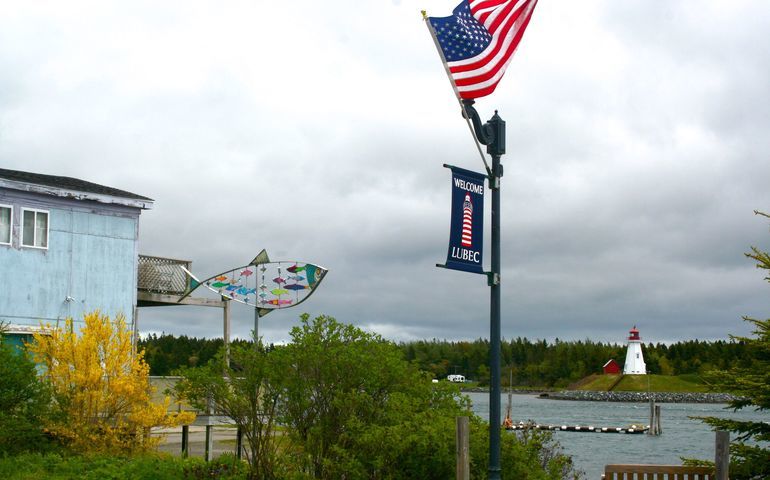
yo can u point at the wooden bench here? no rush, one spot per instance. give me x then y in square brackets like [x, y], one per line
[657, 472]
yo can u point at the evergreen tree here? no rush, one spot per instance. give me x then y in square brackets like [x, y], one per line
[750, 454]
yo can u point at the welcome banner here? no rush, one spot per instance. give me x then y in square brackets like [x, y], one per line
[466, 232]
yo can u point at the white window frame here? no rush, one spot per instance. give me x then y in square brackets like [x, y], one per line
[34, 228]
[10, 225]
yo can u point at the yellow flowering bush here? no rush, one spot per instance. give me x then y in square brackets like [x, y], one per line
[101, 388]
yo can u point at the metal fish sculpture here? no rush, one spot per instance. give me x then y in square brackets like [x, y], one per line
[247, 284]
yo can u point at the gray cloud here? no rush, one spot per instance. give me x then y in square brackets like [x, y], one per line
[636, 154]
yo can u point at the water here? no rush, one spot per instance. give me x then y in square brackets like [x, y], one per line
[682, 436]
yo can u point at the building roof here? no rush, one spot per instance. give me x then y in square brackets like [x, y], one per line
[71, 188]
[610, 362]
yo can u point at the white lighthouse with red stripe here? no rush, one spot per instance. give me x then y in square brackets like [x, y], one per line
[467, 235]
[634, 359]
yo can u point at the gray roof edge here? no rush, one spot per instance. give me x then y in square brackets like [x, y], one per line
[69, 187]
[142, 203]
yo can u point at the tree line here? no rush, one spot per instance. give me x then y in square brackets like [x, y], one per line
[541, 363]
[536, 363]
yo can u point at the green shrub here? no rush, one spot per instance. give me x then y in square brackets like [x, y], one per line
[225, 466]
[23, 403]
[524, 455]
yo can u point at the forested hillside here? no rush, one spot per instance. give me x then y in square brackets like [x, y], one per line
[557, 364]
[535, 363]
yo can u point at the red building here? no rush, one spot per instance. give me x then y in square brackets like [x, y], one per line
[612, 367]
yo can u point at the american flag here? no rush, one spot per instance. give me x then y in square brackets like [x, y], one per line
[479, 40]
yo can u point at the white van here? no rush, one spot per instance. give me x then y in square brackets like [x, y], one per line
[456, 378]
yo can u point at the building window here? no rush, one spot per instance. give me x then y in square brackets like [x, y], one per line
[34, 231]
[6, 214]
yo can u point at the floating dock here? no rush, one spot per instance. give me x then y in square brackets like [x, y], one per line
[579, 428]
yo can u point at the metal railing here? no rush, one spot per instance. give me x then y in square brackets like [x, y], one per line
[162, 275]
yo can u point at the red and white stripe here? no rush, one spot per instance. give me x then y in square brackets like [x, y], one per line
[466, 239]
[506, 21]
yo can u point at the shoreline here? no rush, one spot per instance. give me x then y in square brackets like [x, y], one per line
[632, 397]
[639, 397]
[524, 391]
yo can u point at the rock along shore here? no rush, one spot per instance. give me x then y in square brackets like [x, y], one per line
[660, 397]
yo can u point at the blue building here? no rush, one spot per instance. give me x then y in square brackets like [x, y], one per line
[67, 247]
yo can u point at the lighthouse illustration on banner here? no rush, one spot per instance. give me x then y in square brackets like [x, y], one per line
[466, 229]
[467, 235]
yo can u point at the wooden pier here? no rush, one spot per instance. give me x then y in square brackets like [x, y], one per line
[632, 429]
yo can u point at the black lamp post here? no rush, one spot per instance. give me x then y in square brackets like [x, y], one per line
[492, 134]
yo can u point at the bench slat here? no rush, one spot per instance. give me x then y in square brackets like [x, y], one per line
[657, 472]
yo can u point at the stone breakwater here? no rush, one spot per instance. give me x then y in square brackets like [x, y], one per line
[504, 391]
[660, 397]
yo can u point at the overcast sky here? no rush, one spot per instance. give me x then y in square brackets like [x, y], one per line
[637, 148]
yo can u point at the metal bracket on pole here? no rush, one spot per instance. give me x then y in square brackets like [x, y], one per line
[493, 278]
[495, 176]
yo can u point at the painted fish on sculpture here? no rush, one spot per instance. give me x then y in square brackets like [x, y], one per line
[276, 301]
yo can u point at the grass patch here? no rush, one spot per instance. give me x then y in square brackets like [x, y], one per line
[102, 467]
[600, 383]
[653, 383]
[661, 383]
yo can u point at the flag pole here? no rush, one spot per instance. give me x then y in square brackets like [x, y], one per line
[454, 88]
[491, 134]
